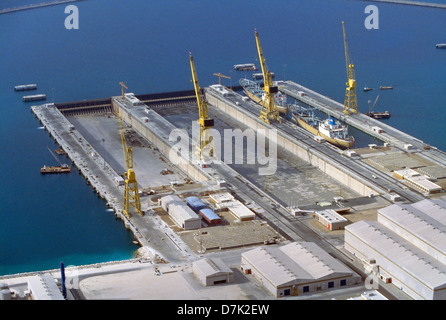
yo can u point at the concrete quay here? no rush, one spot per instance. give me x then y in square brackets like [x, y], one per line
[148, 230]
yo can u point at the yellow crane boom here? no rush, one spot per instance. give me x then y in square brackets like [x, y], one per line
[351, 100]
[269, 104]
[131, 194]
[219, 75]
[205, 138]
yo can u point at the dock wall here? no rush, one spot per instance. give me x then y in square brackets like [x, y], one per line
[297, 148]
[160, 140]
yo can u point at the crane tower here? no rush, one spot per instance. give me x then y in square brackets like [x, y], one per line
[131, 195]
[205, 139]
[269, 104]
[351, 101]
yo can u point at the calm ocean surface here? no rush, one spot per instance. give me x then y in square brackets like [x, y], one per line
[48, 219]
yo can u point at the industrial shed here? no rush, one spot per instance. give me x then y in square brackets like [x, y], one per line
[405, 246]
[210, 216]
[297, 268]
[195, 203]
[331, 219]
[212, 271]
[183, 216]
[180, 212]
[44, 287]
[170, 199]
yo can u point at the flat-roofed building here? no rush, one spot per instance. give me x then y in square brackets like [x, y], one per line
[297, 268]
[417, 180]
[331, 219]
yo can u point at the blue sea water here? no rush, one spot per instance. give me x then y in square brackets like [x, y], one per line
[47, 219]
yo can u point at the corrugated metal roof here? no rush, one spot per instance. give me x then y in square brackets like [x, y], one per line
[294, 262]
[183, 211]
[212, 267]
[434, 208]
[43, 287]
[400, 252]
[210, 214]
[420, 224]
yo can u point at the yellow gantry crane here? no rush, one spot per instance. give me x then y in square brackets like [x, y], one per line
[205, 138]
[219, 75]
[131, 195]
[351, 101]
[269, 104]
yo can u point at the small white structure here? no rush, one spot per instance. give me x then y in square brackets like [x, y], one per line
[241, 212]
[222, 200]
[221, 90]
[212, 271]
[225, 200]
[331, 219]
[297, 268]
[377, 129]
[170, 199]
[119, 181]
[44, 287]
[132, 100]
[417, 180]
[179, 211]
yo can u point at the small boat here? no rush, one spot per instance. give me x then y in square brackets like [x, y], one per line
[25, 87]
[245, 67]
[378, 115]
[386, 87]
[440, 45]
[55, 169]
[367, 89]
[35, 97]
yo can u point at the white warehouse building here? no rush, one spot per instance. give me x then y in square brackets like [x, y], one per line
[407, 247]
[180, 212]
[297, 268]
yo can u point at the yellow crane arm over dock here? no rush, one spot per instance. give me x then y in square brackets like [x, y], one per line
[351, 100]
[269, 104]
[205, 138]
